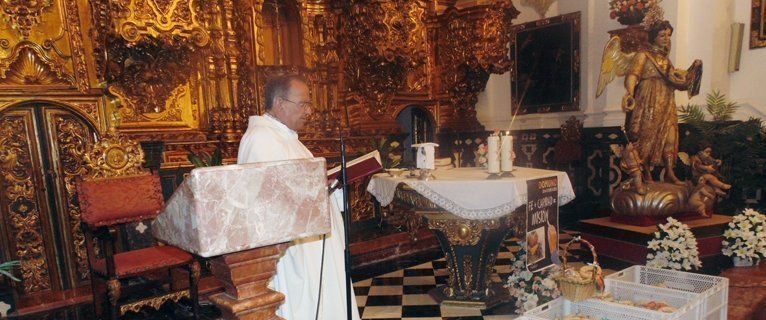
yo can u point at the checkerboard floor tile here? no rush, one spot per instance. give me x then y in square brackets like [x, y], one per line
[403, 294]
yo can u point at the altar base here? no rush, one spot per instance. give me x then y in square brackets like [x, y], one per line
[245, 276]
[628, 243]
[470, 248]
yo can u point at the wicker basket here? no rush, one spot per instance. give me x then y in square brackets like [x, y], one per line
[576, 289]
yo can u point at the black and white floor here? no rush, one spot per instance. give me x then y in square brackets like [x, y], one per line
[403, 294]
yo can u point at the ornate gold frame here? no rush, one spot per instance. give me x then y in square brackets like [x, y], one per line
[758, 25]
[573, 103]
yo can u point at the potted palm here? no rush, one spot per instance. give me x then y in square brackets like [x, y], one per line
[6, 269]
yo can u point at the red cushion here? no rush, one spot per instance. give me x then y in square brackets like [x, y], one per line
[106, 202]
[130, 263]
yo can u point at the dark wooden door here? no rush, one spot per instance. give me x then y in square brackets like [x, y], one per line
[42, 149]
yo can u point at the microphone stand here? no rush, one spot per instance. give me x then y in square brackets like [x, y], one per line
[346, 222]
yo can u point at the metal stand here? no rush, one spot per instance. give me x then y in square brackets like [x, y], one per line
[346, 223]
[494, 176]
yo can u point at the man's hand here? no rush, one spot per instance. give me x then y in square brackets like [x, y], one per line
[628, 102]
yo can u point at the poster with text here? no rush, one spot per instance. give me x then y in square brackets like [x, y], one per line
[542, 232]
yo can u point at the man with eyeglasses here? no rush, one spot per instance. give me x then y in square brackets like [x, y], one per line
[274, 137]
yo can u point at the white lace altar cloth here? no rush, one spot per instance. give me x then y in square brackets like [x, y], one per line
[466, 193]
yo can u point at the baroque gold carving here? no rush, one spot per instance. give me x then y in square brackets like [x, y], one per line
[42, 41]
[170, 20]
[463, 232]
[22, 208]
[78, 50]
[115, 155]
[23, 15]
[468, 273]
[148, 78]
[72, 137]
[90, 109]
[361, 203]
[154, 303]
[384, 40]
[452, 281]
[28, 65]
[472, 46]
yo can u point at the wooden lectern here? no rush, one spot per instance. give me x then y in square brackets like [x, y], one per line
[243, 216]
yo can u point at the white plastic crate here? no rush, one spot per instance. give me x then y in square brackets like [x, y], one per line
[688, 305]
[595, 309]
[713, 291]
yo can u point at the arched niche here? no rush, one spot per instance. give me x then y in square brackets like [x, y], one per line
[282, 33]
[419, 125]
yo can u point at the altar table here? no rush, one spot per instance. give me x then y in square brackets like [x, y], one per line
[471, 217]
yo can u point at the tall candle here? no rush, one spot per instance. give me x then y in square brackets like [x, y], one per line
[493, 154]
[506, 150]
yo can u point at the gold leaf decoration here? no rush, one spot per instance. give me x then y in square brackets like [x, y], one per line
[23, 15]
[28, 66]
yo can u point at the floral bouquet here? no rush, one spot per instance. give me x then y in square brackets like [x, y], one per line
[481, 155]
[629, 12]
[530, 289]
[673, 247]
[745, 238]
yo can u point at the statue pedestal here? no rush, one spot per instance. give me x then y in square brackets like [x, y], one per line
[661, 200]
[245, 276]
[628, 243]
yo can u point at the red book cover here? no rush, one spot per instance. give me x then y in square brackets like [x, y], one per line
[358, 168]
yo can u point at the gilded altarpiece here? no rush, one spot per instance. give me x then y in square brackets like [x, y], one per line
[42, 45]
[190, 72]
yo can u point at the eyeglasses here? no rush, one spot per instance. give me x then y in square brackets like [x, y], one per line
[304, 105]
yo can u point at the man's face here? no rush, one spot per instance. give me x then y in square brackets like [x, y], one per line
[295, 108]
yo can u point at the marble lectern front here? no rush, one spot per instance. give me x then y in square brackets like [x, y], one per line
[243, 216]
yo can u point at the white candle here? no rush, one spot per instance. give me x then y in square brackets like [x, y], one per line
[506, 149]
[493, 154]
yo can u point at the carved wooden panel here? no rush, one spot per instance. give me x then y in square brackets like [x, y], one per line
[156, 84]
[41, 45]
[383, 42]
[69, 137]
[23, 203]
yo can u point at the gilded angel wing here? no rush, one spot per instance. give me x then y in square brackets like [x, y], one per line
[614, 63]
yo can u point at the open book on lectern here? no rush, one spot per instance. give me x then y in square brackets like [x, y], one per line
[358, 168]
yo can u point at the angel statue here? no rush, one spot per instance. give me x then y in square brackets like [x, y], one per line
[651, 122]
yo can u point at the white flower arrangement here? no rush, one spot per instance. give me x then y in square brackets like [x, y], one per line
[673, 247]
[745, 237]
[530, 289]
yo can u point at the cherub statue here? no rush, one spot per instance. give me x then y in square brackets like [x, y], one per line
[707, 179]
[703, 163]
[649, 103]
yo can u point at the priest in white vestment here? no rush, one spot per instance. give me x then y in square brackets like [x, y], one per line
[273, 137]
